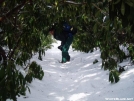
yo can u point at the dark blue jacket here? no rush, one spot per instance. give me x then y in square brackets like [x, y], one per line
[63, 36]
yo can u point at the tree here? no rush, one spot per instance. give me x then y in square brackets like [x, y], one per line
[24, 27]
[22, 34]
[108, 25]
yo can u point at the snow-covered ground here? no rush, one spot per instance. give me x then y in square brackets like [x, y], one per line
[78, 80]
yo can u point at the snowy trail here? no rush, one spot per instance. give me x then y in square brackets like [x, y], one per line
[78, 80]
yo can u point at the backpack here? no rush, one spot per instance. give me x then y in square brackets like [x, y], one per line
[69, 29]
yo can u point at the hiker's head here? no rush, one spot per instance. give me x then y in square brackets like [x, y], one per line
[51, 32]
[52, 29]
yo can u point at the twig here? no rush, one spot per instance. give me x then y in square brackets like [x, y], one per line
[99, 8]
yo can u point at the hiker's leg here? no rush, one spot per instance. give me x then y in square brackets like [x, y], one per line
[65, 48]
[64, 55]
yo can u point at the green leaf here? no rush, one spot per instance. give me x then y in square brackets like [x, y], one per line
[28, 89]
[123, 8]
[95, 28]
[111, 79]
[2, 72]
[117, 2]
[97, 14]
[130, 3]
[114, 76]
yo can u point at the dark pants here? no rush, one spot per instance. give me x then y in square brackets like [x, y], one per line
[65, 48]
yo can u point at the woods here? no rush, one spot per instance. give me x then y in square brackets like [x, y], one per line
[24, 28]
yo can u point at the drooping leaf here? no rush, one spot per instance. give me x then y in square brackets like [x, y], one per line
[123, 8]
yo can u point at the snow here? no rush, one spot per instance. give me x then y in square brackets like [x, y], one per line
[78, 80]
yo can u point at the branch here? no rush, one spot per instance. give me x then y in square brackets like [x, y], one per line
[101, 24]
[12, 11]
[14, 49]
[99, 8]
[72, 2]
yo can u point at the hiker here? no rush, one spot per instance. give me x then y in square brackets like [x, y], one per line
[66, 38]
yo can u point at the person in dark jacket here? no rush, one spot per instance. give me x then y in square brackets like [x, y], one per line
[66, 39]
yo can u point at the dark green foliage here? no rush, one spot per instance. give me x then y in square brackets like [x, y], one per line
[131, 51]
[84, 41]
[23, 29]
[24, 25]
[35, 71]
[107, 27]
[109, 64]
[12, 82]
[114, 76]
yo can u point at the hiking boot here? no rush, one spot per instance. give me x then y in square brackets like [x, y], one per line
[68, 59]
